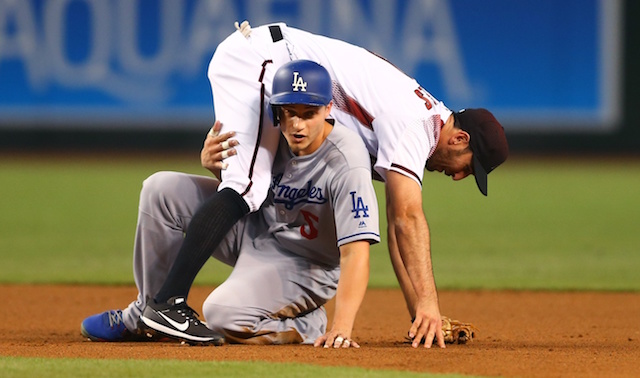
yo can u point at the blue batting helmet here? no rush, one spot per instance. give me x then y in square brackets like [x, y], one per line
[301, 82]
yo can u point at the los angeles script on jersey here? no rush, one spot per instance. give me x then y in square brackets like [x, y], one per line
[290, 196]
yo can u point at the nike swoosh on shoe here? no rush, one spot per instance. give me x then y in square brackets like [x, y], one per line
[179, 326]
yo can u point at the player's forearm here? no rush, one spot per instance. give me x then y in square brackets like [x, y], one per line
[409, 238]
[401, 272]
[354, 277]
[413, 248]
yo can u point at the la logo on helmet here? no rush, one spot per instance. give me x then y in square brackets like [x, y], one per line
[298, 83]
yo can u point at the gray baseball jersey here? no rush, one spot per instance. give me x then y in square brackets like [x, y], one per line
[321, 201]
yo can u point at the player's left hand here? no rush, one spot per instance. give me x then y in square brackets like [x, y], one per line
[335, 339]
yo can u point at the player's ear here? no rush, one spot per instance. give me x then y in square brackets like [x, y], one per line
[328, 108]
[460, 137]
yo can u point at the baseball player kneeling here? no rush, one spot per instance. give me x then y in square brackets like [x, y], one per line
[307, 243]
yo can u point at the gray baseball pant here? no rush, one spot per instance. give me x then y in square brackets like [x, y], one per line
[271, 297]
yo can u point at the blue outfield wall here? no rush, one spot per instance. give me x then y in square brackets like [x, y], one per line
[543, 65]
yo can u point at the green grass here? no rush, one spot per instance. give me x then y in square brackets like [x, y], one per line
[73, 220]
[547, 223]
[568, 224]
[63, 368]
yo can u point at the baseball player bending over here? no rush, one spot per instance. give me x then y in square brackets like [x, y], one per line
[307, 243]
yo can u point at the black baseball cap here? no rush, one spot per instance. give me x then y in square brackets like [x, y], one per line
[487, 141]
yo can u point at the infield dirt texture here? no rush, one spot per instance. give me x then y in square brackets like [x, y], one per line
[522, 333]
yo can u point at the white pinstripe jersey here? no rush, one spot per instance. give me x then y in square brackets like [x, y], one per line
[398, 120]
[321, 201]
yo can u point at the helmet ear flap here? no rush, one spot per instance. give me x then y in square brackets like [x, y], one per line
[275, 112]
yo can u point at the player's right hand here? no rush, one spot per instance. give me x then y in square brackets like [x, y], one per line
[217, 147]
[427, 325]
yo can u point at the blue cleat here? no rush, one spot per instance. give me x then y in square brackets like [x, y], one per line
[109, 326]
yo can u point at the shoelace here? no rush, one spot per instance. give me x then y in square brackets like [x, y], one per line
[115, 317]
[189, 313]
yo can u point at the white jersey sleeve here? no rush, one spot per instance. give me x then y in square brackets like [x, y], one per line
[405, 144]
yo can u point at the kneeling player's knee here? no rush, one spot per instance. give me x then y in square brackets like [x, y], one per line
[227, 319]
[157, 185]
[168, 190]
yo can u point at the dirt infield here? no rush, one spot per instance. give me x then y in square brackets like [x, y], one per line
[525, 334]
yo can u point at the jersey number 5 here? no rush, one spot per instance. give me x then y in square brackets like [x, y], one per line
[308, 230]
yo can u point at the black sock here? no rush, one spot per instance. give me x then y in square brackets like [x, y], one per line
[208, 227]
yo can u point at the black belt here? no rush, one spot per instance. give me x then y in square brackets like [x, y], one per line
[276, 33]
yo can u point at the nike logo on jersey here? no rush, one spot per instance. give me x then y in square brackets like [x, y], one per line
[290, 196]
[179, 326]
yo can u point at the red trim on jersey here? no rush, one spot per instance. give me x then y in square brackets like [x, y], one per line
[351, 106]
[264, 64]
[407, 170]
[259, 136]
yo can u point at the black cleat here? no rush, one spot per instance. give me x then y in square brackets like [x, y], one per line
[176, 320]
